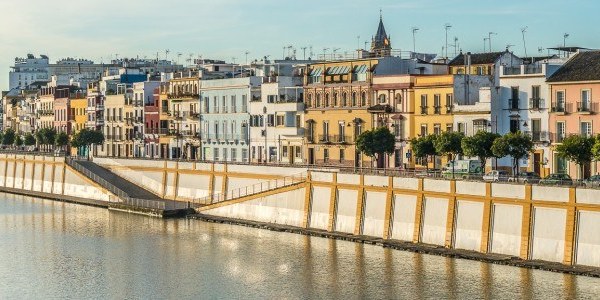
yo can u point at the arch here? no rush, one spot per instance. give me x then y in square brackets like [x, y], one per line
[335, 99]
[381, 98]
[344, 99]
[326, 104]
[398, 99]
[354, 98]
[363, 98]
[318, 100]
[309, 99]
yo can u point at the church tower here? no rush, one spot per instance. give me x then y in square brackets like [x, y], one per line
[381, 44]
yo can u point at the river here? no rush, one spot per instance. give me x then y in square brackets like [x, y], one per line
[58, 250]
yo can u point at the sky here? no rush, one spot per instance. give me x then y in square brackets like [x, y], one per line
[224, 29]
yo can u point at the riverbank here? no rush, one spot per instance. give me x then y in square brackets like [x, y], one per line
[411, 247]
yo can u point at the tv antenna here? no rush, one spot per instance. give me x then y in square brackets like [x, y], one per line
[414, 31]
[523, 30]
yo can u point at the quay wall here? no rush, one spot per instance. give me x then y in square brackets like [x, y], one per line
[47, 176]
[557, 224]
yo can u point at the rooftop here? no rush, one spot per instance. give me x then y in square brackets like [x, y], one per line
[477, 58]
[585, 66]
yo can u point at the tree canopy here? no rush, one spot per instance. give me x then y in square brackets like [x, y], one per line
[449, 143]
[376, 142]
[87, 137]
[516, 145]
[29, 140]
[61, 139]
[423, 147]
[577, 149]
[480, 146]
[8, 138]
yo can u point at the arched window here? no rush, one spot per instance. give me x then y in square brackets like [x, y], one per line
[363, 99]
[335, 99]
[309, 100]
[398, 99]
[354, 99]
[327, 100]
[318, 100]
[382, 98]
[344, 99]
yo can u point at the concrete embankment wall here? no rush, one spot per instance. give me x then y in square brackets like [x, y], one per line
[189, 181]
[46, 176]
[558, 224]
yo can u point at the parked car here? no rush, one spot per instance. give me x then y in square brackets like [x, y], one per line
[557, 179]
[496, 176]
[526, 177]
[593, 181]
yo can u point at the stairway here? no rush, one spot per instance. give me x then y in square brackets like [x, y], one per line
[252, 191]
[111, 181]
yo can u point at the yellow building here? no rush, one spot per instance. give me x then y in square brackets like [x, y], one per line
[338, 95]
[78, 111]
[433, 103]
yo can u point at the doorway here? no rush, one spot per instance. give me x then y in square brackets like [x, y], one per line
[311, 156]
[537, 161]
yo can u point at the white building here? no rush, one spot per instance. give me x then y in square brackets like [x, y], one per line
[523, 105]
[28, 70]
[143, 92]
[276, 117]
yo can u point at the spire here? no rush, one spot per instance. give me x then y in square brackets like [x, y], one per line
[381, 44]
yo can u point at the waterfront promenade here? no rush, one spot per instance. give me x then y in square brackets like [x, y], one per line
[545, 227]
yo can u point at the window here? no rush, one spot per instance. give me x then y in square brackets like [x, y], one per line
[341, 131]
[270, 120]
[344, 99]
[325, 155]
[449, 127]
[560, 131]
[535, 101]
[514, 100]
[216, 154]
[423, 129]
[325, 131]
[423, 104]
[514, 125]
[284, 151]
[586, 129]
[381, 98]
[449, 102]
[318, 100]
[363, 99]
[280, 121]
[335, 99]
[225, 104]
[216, 104]
[479, 125]
[342, 155]
[298, 152]
[437, 129]
[244, 103]
[584, 105]
[298, 121]
[354, 99]
[560, 101]
[560, 164]
[326, 100]
[271, 98]
[244, 155]
[398, 129]
[225, 154]
[233, 104]
[437, 106]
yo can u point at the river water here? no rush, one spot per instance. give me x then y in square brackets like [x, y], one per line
[59, 250]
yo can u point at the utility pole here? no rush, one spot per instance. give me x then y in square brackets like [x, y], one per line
[523, 30]
[490, 39]
[455, 46]
[303, 53]
[246, 53]
[358, 42]
[484, 43]
[334, 52]
[325, 53]
[565, 36]
[447, 27]
[414, 30]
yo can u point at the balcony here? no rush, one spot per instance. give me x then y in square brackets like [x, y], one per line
[539, 136]
[557, 137]
[325, 139]
[587, 107]
[513, 104]
[423, 110]
[437, 109]
[536, 104]
[561, 108]
[449, 108]
[342, 139]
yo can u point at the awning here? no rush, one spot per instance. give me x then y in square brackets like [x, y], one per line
[316, 72]
[360, 69]
[397, 117]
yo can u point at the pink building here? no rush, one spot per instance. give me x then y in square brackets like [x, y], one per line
[575, 99]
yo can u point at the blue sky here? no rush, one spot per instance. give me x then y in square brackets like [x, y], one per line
[227, 28]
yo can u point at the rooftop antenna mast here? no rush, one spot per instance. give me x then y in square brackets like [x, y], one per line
[303, 53]
[508, 47]
[334, 51]
[523, 30]
[447, 27]
[490, 39]
[325, 53]
[455, 46]
[311, 53]
[414, 31]
[167, 54]
[484, 43]
[246, 53]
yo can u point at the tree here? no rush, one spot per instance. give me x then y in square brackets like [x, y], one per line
[87, 137]
[29, 140]
[9, 137]
[480, 146]
[61, 140]
[46, 136]
[18, 141]
[577, 149]
[449, 143]
[375, 143]
[423, 147]
[516, 145]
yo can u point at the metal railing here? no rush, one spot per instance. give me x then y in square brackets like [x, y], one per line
[536, 103]
[587, 107]
[251, 190]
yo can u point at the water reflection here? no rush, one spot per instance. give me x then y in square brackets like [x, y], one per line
[59, 250]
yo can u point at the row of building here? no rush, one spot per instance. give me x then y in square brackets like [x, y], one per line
[310, 112]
